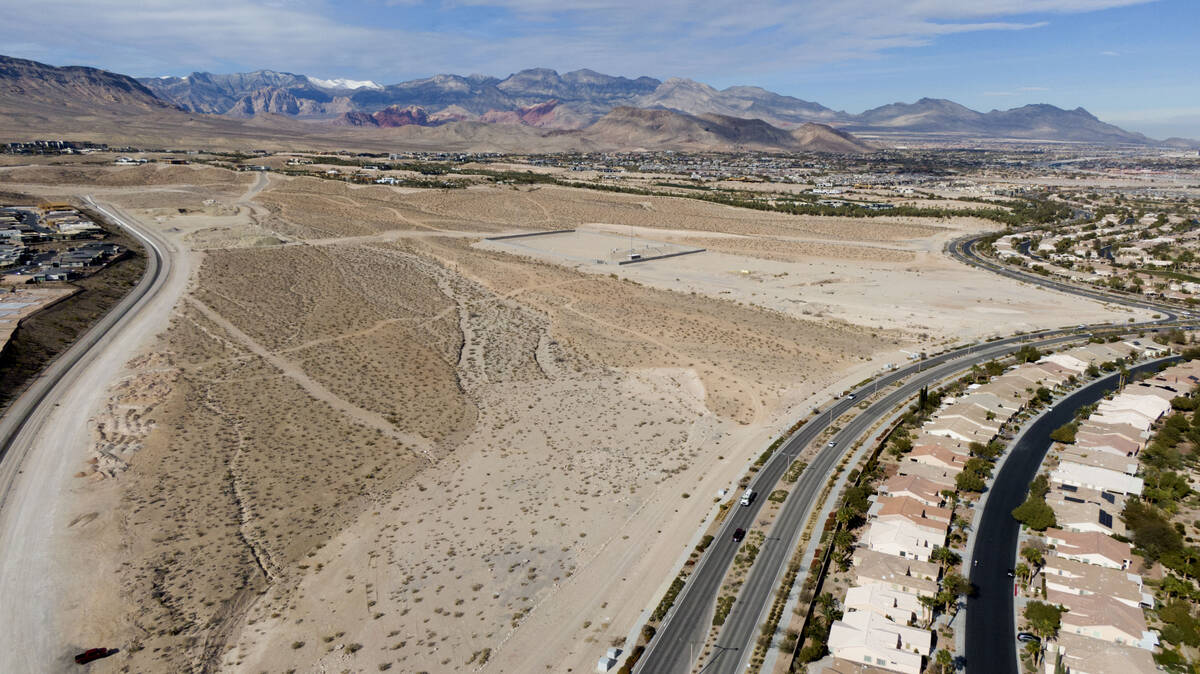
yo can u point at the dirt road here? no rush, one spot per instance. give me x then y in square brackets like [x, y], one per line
[47, 438]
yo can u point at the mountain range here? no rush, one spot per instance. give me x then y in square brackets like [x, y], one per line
[544, 98]
[538, 108]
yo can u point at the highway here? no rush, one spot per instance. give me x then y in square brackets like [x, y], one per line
[991, 639]
[41, 441]
[676, 645]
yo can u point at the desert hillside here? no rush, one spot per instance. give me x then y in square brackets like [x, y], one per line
[369, 438]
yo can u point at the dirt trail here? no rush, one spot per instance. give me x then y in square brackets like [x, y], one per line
[315, 389]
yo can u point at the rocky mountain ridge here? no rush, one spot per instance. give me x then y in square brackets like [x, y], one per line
[546, 101]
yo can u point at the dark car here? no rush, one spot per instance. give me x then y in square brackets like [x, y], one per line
[1028, 638]
[738, 535]
[90, 655]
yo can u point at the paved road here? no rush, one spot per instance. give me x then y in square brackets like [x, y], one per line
[990, 633]
[675, 647]
[963, 250]
[39, 441]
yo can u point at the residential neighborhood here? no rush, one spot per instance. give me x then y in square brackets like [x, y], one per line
[1085, 565]
[52, 242]
[898, 608]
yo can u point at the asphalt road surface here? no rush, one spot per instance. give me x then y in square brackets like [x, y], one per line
[963, 250]
[677, 644]
[40, 440]
[990, 632]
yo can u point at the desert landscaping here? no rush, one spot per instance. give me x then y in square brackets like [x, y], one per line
[369, 438]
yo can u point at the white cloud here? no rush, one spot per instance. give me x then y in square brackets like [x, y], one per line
[1110, 53]
[387, 40]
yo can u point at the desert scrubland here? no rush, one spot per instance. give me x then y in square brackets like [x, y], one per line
[368, 439]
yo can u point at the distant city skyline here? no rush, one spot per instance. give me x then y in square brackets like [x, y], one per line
[1126, 61]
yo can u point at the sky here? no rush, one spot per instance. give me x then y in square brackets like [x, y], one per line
[1129, 62]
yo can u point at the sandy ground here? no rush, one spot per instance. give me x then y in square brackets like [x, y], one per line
[17, 302]
[367, 440]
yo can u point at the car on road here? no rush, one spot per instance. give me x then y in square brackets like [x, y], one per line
[851, 396]
[748, 497]
[832, 443]
[738, 535]
[1028, 638]
[91, 655]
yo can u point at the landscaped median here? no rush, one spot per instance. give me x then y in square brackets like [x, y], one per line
[899, 533]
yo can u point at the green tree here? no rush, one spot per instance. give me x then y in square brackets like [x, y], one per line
[945, 661]
[1183, 404]
[945, 556]
[989, 451]
[1065, 433]
[969, 481]
[954, 585]
[1035, 513]
[1152, 533]
[1044, 619]
[1023, 573]
[1035, 559]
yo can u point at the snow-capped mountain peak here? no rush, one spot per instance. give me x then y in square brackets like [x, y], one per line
[341, 83]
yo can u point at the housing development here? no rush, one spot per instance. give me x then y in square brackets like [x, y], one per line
[463, 357]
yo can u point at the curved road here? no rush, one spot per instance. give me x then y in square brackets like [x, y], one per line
[40, 438]
[990, 633]
[673, 649]
[963, 250]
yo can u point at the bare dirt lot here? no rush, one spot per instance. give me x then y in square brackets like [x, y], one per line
[369, 440]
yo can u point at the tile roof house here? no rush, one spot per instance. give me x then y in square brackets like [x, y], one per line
[841, 666]
[918, 512]
[1107, 442]
[895, 605]
[938, 457]
[1067, 361]
[862, 636]
[1081, 509]
[1101, 479]
[898, 573]
[1098, 458]
[915, 487]
[1138, 435]
[1101, 617]
[1081, 655]
[901, 536]
[1090, 547]
[960, 429]
[1069, 576]
[935, 474]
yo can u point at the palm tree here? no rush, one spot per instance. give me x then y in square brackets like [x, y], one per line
[1035, 652]
[1022, 571]
[1035, 559]
[931, 605]
[945, 661]
[951, 497]
[945, 556]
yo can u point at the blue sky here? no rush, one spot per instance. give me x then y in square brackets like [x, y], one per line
[1131, 62]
